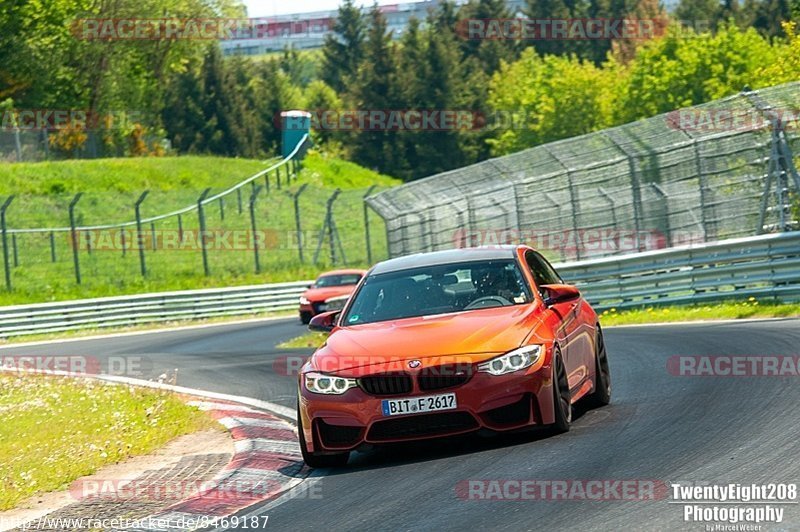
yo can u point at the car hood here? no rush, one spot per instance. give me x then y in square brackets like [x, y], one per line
[321, 294]
[471, 336]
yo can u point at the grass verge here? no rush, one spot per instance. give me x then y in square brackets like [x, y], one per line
[719, 311]
[55, 430]
[733, 310]
[307, 340]
[145, 327]
[42, 266]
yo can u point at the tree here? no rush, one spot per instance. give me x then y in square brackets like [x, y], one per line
[273, 92]
[183, 112]
[302, 68]
[441, 89]
[373, 90]
[786, 65]
[770, 14]
[698, 14]
[488, 52]
[320, 99]
[556, 10]
[676, 71]
[549, 98]
[625, 49]
[343, 50]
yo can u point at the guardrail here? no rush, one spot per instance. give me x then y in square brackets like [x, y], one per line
[766, 266]
[20, 320]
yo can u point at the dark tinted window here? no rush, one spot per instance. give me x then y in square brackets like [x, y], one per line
[337, 280]
[542, 272]
[438, 290]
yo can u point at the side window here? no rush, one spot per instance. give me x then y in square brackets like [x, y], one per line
[542, 272]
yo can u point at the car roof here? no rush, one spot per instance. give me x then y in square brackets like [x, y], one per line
[343, 272]
[450, 256]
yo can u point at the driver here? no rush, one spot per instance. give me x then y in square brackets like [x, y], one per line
[492, 282]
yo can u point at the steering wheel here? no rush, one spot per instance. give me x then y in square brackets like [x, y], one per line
[481, 302]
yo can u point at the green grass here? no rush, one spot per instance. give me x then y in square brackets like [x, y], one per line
[307, 340]
[55, 430]
[719, 311]
[82, 333]
[733, 310]
[110, 188]
[132, 174]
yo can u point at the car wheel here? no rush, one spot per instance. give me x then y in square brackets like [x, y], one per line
[315, 460]
[602, 383]
[562, 399]
[305, 318]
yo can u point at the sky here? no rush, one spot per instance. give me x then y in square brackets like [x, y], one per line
[266, 8]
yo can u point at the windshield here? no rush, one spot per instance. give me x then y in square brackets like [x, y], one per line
[438, 290]
[337, 280]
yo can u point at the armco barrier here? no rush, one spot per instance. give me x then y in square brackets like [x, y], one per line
[122, 311]
[766, 267]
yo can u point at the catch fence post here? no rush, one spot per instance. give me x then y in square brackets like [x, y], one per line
[202, 218]
[139, 244]
[75, 241]
[5, 240]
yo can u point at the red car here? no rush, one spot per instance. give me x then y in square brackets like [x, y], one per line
[329, 292]
[447, 343]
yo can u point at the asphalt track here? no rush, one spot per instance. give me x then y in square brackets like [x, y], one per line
[660, 427]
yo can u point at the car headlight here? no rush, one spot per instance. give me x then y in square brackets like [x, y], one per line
[515, 360]
[328, 384]
[304, 301]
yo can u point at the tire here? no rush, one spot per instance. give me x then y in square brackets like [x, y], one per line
[602, 382]
[315, 460]
[562, 399]
[305, 318]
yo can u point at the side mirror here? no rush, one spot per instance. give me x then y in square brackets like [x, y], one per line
[324, 322]
[559, 293]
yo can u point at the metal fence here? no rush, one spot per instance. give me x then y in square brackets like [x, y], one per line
[32, 145]
[714, 171]
[268, 222]
[766, 267]
[44, 318]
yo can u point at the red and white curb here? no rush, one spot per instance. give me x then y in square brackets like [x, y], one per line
[266, 463]
[267, 457]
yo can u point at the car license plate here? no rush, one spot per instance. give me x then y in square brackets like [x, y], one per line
[419, 405]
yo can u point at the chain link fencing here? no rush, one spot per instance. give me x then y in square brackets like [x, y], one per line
[269, 227]
[34, 145]
[710, 172]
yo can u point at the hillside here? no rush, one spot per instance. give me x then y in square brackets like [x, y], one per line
[110, 188]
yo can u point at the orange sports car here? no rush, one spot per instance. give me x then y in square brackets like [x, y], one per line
[329, 292]
[446, 343]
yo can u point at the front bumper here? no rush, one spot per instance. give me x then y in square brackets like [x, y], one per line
[335, 423]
